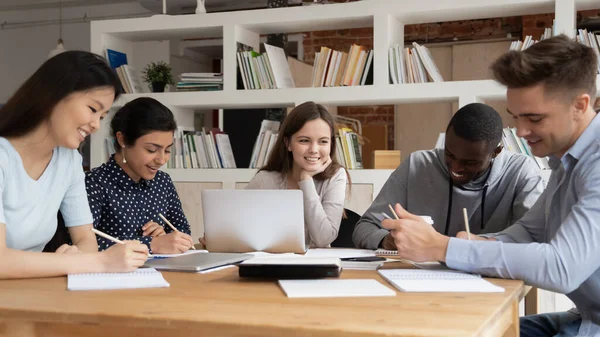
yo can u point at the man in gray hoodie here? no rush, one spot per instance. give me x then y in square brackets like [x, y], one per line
[496, 187]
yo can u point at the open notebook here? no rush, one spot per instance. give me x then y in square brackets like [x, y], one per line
[141, 278]
[414, 280]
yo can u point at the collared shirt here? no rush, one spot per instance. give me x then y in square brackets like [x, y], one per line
[121, 206]
[556, 245]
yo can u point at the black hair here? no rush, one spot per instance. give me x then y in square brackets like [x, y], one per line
[477, 122]
[57, 78]
[140, 117]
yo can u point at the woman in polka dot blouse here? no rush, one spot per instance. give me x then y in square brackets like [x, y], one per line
[127, 194]
[304, 158]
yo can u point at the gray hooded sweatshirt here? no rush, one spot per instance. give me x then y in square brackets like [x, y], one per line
[422, 185]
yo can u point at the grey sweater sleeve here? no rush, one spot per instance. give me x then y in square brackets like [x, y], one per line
[368, 232]
[529, 228]
[323, 214]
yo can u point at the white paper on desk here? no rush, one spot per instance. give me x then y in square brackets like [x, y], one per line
[339, 253]
[140, 278]
[415, 280]
[334, 288]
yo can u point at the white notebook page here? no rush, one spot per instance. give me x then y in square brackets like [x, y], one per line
[141, 278]
[414, 280]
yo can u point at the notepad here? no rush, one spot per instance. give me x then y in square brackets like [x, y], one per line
[334, 288]
[413, 280]
[141, 278]
[386, 252]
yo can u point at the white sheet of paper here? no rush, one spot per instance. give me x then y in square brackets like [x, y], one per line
[334, 288]
[339, 253]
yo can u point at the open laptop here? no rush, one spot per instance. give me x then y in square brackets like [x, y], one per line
[196, 262]
[254, 220]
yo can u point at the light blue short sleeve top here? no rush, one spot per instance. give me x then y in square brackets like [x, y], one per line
[29, 207]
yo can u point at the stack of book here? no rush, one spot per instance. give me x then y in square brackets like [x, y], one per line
[348, 148]
[412, 65]
[128, 76]
[591, 40]
[333, 68]
[511, 142]
[529, 41]
[267, 136]
[201, 149]
[269, 70]
[200, 82]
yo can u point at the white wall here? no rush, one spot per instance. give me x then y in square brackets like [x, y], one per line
[24, 49]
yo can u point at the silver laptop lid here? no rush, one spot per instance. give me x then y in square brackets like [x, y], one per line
[254, 220]
[196, 262]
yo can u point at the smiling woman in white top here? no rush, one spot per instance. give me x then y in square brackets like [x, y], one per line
[41, 127]
[304, 158]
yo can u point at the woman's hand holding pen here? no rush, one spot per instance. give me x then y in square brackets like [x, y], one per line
[153, 229]
[172, 243]
[124, 257]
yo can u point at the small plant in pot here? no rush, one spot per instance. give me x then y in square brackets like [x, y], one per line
[158, 74]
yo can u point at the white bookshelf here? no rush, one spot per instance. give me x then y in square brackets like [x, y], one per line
[387, 17]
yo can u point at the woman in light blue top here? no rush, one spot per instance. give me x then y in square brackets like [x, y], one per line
[41, 127]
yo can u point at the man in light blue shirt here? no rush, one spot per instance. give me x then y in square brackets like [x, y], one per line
[556, 245]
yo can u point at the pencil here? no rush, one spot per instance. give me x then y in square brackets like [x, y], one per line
[172, 227]
[393, 212]
[467, 223]
[108, 237]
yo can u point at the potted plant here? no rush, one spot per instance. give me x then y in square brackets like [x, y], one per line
[158, 74]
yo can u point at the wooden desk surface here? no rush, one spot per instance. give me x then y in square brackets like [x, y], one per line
[221, 304]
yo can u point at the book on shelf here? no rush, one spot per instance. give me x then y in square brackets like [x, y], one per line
[412, 65]
[128, 76]
[591, 40]
[265, 140]
[529, 41]
[332, 68]
[269, 70]
[348, 148]
[200, 82]
[201, 149]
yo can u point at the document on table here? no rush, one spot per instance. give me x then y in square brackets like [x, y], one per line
[335, 288]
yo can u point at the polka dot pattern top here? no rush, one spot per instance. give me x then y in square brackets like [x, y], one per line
[121, 206]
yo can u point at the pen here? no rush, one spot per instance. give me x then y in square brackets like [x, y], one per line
[108, 237]
[467, 223]
[172, 227]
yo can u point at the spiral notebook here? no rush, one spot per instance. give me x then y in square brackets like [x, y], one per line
[416, 280]
[141, 278]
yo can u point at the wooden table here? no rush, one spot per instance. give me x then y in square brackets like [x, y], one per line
[221, 304]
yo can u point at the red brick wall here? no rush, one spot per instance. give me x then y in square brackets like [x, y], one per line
[517, 26]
